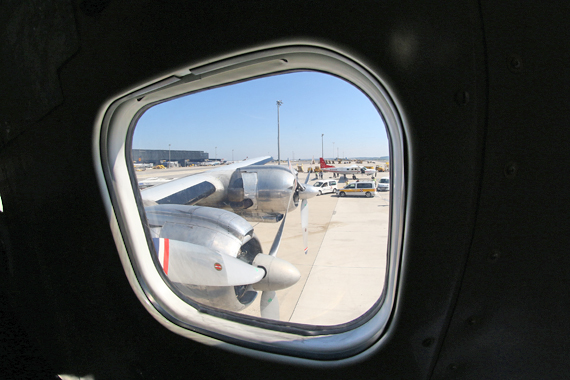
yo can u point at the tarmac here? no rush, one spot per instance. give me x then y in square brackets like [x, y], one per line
[343, 273]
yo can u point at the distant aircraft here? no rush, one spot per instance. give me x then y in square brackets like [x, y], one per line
[205, 245]
[354, 169]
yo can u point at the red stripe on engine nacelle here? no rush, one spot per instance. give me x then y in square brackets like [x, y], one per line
[166, 255]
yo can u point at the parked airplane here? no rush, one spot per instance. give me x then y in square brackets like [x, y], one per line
[482, 91]
[353, 169]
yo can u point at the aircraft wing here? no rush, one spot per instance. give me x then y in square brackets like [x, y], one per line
[248, 162]
[191, 189]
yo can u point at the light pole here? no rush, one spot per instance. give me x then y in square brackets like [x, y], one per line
[322, 146]
[168, 165]
[279, 103]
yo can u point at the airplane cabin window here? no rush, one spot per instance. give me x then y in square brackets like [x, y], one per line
[225, 185]
[206, 139]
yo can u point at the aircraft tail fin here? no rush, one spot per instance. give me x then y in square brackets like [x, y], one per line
[324, 164]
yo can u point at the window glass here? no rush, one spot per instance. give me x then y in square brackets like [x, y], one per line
[215, 203]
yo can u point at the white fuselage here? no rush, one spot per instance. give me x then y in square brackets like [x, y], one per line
[354, 169]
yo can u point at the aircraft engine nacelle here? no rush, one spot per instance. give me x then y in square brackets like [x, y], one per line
[214, 229]
[262, 193]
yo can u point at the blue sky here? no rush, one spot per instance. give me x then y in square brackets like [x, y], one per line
[243, 118]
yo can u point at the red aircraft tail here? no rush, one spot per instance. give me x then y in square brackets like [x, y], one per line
[324, 164]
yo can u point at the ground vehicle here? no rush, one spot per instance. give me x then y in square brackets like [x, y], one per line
[365, 188]
[383, 184]
[326, 186]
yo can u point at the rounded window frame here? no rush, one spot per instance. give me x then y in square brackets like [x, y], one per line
[311, 345]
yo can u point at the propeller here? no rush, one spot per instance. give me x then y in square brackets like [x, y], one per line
[280, 274]
[305, 217]
[305, 224]
[277, 240]
[304, 192]
[269, 305]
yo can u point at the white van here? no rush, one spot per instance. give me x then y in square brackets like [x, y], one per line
[384, 184]
[326, 186]
[362, 189]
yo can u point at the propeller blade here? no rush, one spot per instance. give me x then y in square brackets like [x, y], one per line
[269, 305]
[294, 176]
[307, 179]
[305, 223]
[277, 240]
[192, 264]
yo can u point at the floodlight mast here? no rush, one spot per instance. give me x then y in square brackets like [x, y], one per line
[279, 103]
[323, 146]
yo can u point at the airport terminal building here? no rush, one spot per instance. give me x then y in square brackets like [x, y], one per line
[157, 157]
